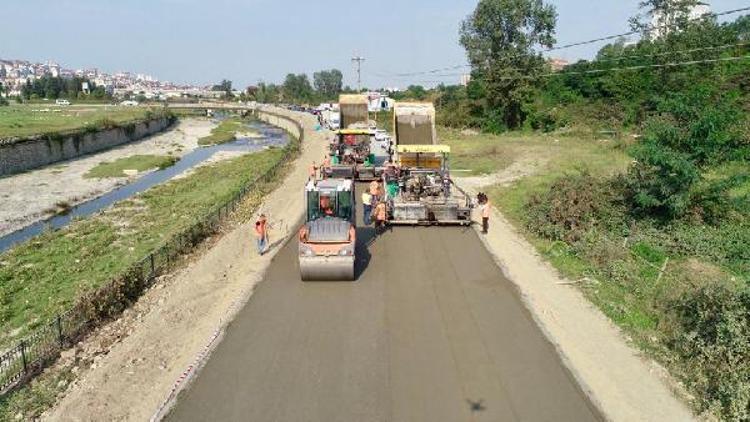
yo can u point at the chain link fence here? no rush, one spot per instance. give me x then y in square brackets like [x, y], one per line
[42, 347]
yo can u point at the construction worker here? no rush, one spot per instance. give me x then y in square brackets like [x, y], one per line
[376, 191]
[325, 205]
[325, 167]
[380, 217]
[313, 171]
[486, 208]
[261, 234]
[367, 205]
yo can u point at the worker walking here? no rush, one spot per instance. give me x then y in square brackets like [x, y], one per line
[367, 205]
[261, 234]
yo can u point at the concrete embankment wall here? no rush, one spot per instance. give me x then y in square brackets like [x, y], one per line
[19, 155]
[283, 122]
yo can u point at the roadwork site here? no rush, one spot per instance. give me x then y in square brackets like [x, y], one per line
[430, 330]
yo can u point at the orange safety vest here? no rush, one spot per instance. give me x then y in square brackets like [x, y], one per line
[260, 229]
[374, 188]
[380, 212]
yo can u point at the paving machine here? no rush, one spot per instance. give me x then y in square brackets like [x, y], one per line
[350, 148]
[327, 239]
[419, 188]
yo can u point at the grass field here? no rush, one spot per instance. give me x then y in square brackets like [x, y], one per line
[36, 119]
[546, 156]
[46, 275]
[134, 162]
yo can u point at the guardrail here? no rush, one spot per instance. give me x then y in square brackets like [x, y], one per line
[42, 347]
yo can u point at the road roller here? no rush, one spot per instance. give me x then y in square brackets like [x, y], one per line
[327, 239]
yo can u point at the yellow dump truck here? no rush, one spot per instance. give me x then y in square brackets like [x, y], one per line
[353, 109]
[419, 189]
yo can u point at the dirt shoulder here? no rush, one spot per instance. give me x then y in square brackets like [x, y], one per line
[141, 356]
[622, 383]
[27, 197]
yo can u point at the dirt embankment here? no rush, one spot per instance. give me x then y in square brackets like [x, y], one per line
[31, 196]
[623, 384]
[140, 357]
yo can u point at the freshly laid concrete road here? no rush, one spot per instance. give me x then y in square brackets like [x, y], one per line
[431, 331]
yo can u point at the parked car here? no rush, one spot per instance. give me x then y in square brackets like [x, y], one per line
[129, 103]
[62, 102]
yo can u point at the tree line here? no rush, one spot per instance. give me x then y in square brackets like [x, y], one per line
[52, 87]
[326, 86]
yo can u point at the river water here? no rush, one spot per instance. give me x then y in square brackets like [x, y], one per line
[271, 136]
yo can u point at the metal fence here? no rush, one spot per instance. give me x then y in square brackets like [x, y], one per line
[43, 346]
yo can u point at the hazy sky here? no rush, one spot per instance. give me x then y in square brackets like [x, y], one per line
[202, 41]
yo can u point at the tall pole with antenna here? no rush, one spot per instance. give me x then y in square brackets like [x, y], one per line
[358, 60]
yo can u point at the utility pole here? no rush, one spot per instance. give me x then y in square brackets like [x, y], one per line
[358, 60]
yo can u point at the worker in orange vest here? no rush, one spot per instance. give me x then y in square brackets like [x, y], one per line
[313, 171]
[261, 234]
[381, 215]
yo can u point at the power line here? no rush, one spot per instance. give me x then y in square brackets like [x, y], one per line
[576, 44]
[635, 56]
[627, 68]
[668, 53]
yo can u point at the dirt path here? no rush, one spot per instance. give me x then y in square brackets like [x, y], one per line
[623, 384]
[28, 197]
[525, 166]
[172, 323]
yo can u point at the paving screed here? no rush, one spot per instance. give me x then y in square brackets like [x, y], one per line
[430, 331]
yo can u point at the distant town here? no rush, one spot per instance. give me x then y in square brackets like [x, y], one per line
[14, 74]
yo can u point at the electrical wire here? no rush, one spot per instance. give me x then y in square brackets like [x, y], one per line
[627, 57]
[570, 45]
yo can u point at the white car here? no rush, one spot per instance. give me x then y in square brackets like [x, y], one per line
[129, 103]
[381, 134]
[62, 102]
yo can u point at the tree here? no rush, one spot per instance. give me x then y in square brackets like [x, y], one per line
[297, 88]
[663, 16]
[267, 93]
[499, 38]
[328, 83]
[3, 92]
[225, 86]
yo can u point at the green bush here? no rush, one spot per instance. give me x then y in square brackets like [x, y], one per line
[711, 334]
[547, 120]
[660, 180]
[574, 205]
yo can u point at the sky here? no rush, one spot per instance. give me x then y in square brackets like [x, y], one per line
[247, 41]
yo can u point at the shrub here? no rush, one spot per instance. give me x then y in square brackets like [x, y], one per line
[573, 205]
[660, 180]
[711, 334]
[547, 120]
